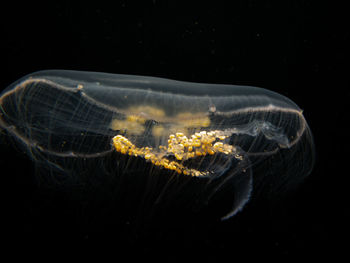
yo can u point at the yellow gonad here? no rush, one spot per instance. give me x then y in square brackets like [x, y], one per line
[136, 116]
[133, 124]
[183, 148]
[193, 120]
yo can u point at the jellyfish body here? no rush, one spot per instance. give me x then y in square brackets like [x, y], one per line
[184, 143]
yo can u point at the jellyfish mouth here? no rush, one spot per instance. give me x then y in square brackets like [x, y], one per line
[202, 154]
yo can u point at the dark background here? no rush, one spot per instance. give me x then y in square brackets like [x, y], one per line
[297, 48]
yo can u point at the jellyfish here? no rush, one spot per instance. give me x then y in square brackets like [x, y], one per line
[156, 144]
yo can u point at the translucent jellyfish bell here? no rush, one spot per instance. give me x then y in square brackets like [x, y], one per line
[161, 142]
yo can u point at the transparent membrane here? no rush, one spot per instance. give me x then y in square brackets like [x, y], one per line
[159, 142]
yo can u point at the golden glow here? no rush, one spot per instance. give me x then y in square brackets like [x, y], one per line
[158, 131]
[179, 145]
[136, 116]
[128, 126]
[190, 120]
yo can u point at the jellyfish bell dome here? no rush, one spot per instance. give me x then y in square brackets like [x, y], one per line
[155, 143]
